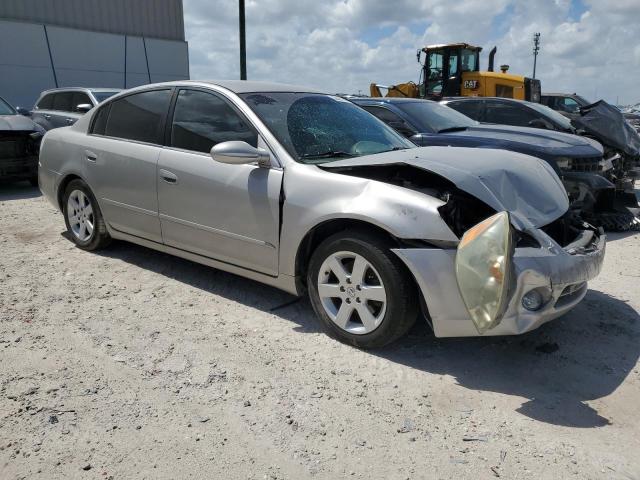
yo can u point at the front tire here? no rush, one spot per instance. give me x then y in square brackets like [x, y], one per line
[83, 217]
[362, 293]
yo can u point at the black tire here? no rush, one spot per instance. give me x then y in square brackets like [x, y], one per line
[99, 238]
[402, 298]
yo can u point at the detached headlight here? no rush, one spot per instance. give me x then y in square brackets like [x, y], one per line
[483, 269]
[563, 163]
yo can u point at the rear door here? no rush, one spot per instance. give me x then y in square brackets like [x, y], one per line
[122, 155]
[227, 212]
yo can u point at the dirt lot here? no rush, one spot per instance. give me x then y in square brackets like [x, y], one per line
[134, 364]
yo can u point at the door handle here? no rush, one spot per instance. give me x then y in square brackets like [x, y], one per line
[167, 176]
[90, 156]
[70, 120]
[47, 116]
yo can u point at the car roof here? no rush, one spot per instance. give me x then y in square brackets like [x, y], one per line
[246, 86]
[81, 89]
[390, 100]
[545, 94]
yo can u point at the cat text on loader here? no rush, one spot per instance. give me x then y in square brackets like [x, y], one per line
[453, 70]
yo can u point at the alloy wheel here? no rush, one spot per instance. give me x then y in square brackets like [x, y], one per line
[80, 215]
[352, 292]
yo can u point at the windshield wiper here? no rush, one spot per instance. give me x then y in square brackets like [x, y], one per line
[327, 154]
[452, 129]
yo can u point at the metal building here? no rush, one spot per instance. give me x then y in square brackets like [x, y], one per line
[89, 43]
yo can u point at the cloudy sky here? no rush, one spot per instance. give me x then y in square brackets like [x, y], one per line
[588, 46]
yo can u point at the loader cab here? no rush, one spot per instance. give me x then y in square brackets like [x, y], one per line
[444, 66]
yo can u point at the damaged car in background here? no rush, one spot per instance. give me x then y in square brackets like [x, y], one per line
[613, 204]
[19, 144]
[311, 194]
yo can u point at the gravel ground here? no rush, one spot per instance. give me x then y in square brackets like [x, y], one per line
[130, 363]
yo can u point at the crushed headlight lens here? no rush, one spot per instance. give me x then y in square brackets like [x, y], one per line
[532, 300]
[483, 268]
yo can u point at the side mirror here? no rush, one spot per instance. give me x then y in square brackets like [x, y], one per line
[418, 139]
[23, 111]
[83, 107]
[540, 123]
[237, 153]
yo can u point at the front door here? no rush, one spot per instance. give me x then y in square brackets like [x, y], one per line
[226, 212]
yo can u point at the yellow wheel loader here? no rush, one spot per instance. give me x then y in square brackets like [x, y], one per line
[453, 70]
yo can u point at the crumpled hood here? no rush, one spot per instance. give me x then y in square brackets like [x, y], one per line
[17, 123]
[525, 186]
[531, 138]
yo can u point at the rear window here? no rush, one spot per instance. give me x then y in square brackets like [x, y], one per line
[139, 116]
[46, 103]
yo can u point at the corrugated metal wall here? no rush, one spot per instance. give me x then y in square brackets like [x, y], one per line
[142, 18]
[35, 57]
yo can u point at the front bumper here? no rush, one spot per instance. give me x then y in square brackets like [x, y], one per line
[561, 273]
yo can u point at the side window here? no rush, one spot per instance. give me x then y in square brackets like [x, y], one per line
[202, 120]
[505, 114]
[434, 72]
[79, 98]
[568, 104]
[62, 101]
[100, 120]
[138, 116]
[393, 120]
[470, 108]
[46, 103]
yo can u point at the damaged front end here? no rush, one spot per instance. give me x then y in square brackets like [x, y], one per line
[507, 281]
[522, 257]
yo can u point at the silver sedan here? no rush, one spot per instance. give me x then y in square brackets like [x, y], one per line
[311, 194]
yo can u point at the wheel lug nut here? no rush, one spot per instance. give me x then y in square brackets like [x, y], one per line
[348, 280]
[358, 299]
[358, 287]
[348, 300]
[342, 289]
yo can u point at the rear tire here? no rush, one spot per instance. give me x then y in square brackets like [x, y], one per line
[360, 290]
[83, 217]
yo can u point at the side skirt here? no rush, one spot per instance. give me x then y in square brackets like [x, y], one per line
[282, 282]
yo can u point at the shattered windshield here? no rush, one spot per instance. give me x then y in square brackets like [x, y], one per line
[316, 128]
[5, 108]
[431, 117]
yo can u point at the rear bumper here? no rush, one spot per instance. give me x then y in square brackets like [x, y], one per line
[561, 274]
[20, 168]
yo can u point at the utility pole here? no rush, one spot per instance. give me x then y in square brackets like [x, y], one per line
[536, 49]
[243, 44]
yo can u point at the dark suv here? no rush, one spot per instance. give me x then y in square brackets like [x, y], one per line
[61, 107]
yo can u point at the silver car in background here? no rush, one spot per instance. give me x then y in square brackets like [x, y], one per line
[311, 194]
[61, 107]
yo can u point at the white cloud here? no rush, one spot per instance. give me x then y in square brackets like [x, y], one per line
[343, 45]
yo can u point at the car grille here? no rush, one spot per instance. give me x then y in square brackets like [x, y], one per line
[588, 164]
[15, 145]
